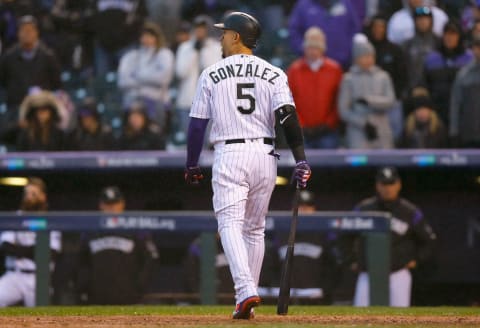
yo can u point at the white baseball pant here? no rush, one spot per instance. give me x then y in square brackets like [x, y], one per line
[17, 286]
[243, 181]
[400, 289]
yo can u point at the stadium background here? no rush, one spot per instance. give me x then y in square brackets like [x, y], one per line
[449, 196]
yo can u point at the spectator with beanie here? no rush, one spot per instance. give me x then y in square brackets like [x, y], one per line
[314, 81]
[139, 132]
[423, 127]
[412, 240]
[40, 118]
[116, 26]
[464, 105]
[442, 65]
[27, 64]
[193, 56]
[90, 133]
[145, 74]
[417, 48]
[335, 17]
[366, 96]
[401, 26]
[116, 267]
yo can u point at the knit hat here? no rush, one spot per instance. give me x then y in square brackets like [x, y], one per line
[361, 46]
[315, 38]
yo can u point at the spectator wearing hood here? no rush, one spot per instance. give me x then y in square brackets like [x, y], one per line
[335, 17]
[40, 119]
[90, 133]
[423, 127]
[401, 26]
[145, 73]
[418, 47]
[442, 65]
[139, 132]
[366, 95]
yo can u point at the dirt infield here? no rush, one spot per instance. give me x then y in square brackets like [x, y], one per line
[143, 321]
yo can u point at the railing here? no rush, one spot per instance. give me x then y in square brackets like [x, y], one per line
[375, 225]
[165, 159]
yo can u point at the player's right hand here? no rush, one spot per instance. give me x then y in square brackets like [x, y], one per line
[302, 174]
[193, 175]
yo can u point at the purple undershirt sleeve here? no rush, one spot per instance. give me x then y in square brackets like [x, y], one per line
[196, 134]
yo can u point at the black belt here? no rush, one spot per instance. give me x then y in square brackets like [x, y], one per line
[21, 270]
[267, 141]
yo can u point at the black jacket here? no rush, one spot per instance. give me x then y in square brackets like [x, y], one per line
[147, 139]
[412, 238]
[56, 142]
[82, 140]
[391, 58]
[116, 268]
[17, 74]
[117, 24]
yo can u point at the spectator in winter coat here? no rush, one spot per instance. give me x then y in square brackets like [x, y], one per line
[335, 17]
[418, 47]
[314, 80]
[27, 64]
[366, 96]
[401, 26]
[423, 127]
[145, 74]
[39, 120]
[442, 65]
[464, 105]
[193, 56]
[139, 132]
[90, 133]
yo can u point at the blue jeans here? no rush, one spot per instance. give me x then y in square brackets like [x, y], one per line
[328, 140]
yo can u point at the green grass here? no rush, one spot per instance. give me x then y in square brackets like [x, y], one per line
[212, 310]
[199, 310]
[263, 310]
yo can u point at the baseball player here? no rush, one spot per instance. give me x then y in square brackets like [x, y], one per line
[242, 95]
[18, 283]
[412, 239]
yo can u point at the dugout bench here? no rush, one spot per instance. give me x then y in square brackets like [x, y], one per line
[375, 226]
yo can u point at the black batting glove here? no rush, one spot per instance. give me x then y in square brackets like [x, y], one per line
[302, 174]
[193, 175]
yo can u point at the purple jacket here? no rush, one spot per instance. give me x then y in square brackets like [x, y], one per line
[339, 22]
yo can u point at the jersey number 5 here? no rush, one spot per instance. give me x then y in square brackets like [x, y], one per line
[249, 97]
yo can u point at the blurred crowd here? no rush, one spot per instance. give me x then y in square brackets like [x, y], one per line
[121, 75]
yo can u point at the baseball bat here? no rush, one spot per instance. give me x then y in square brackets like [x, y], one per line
[285, 278]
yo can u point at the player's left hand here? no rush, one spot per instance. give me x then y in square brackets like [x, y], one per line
[302, 174]
[193, 175]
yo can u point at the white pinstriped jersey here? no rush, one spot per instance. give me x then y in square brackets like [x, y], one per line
[26, 238]
[240, 95]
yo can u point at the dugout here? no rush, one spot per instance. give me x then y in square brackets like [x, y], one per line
[444, 184]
